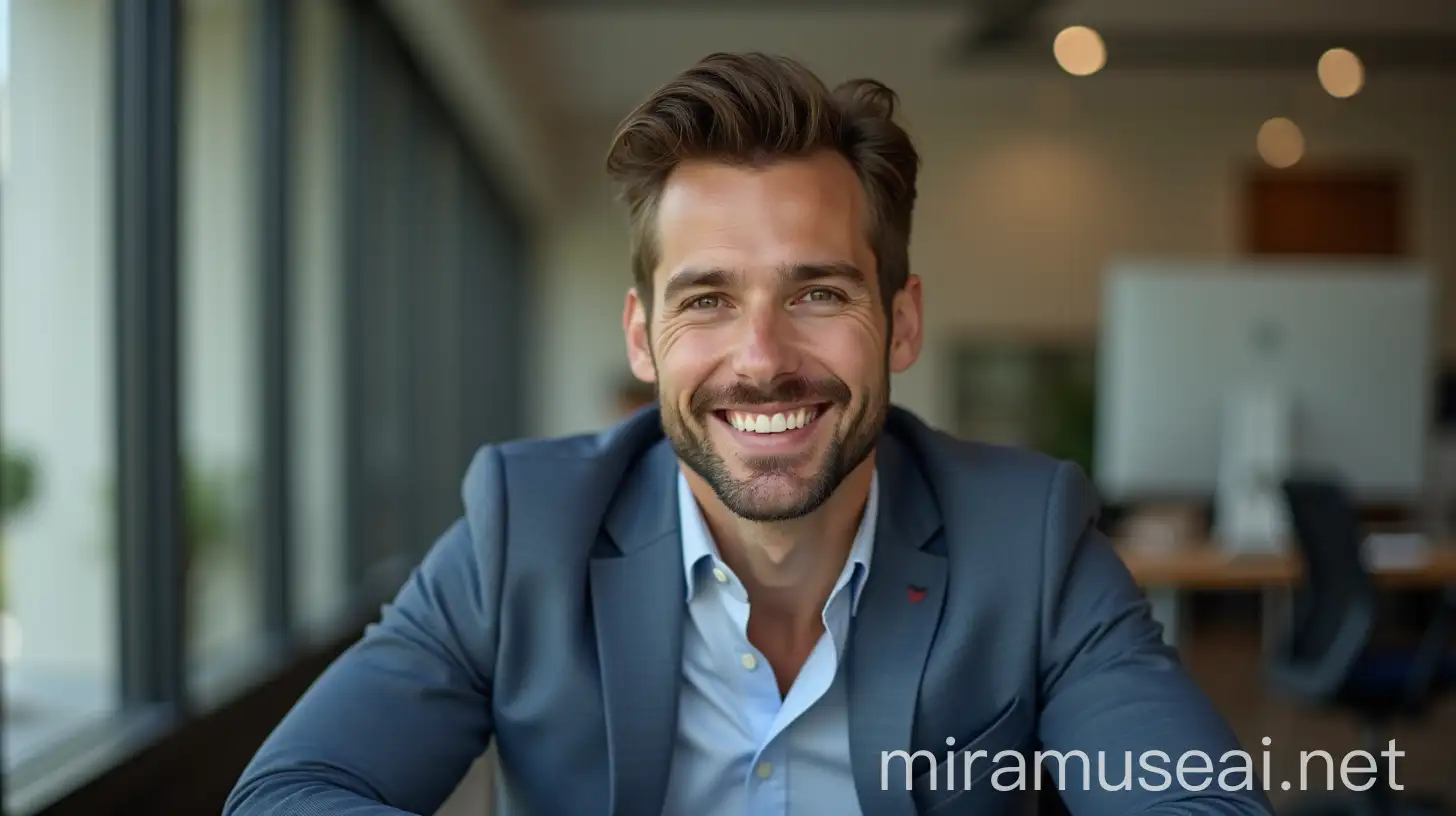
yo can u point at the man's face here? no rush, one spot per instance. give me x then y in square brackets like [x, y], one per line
[767, 337]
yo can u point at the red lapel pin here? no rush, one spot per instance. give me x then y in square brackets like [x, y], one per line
[917, 594]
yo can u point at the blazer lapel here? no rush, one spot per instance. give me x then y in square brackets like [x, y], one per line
[894, 627]
[637, 592]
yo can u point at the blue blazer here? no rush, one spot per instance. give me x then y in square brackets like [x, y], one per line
[548, 619]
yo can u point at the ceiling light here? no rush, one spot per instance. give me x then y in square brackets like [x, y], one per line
[1341, 73]
[1280, 142]
[1079, 50]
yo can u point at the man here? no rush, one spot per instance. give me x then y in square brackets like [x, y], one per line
[774, 593]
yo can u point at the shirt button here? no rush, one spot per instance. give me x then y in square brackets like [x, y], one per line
[750, 662]
[720, 575]
[765, 770]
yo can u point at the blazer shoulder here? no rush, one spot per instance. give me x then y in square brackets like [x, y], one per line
[1009, 462]
[989, 490]
[516, 489]
[1066, 491]
[611, 449]
[977, 464]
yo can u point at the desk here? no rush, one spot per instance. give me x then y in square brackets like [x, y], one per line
[1166, 572]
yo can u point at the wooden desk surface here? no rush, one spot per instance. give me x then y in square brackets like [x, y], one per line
[1201, 565]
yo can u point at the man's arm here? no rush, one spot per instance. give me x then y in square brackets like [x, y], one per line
[393, 725]
[1111, 687]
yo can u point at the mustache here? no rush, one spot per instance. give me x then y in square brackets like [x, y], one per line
[826, 389]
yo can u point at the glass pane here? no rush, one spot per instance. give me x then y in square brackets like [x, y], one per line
[385, 296]
[220, 340]
[436, 336]
[320, 568]
[58, 594]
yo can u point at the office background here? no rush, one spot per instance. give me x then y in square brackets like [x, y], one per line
[271, 270]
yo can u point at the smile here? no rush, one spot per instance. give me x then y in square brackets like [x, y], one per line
[776, 422]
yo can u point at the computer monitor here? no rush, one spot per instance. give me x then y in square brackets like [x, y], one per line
[1351, 344]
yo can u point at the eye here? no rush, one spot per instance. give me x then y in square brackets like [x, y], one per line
[823, 296]
[705, 302]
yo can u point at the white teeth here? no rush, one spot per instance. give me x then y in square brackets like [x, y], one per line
[771, 424]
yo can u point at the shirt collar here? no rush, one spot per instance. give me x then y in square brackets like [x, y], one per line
[700, 552]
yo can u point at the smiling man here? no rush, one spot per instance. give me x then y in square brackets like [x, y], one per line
[772, 592]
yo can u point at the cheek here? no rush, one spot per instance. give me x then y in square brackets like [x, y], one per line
[851, 348]
[687, 358]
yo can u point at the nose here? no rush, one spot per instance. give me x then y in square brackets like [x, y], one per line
[766, 350]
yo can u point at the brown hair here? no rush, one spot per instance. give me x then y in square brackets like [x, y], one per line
[753, 109]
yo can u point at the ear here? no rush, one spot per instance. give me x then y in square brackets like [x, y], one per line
[639, 343]
[908, 326]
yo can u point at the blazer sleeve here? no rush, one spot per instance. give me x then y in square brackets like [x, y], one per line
[395, 722]
[1112, 689]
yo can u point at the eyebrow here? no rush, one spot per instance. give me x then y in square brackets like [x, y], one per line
[689, 279]
[717, 278]
[806, 273]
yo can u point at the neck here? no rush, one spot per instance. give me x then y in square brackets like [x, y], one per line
[789, 568]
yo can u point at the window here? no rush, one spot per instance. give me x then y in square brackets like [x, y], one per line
[258, 305]
[57, 536]
[316, 294]
[383, 280]
[438, 350]
[434, 272]
[220, 339]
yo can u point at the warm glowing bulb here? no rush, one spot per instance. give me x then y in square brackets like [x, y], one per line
[1280, 142]
[1079, 50]
[1341, 73]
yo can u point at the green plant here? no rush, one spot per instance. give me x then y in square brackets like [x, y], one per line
[17, 484]
[205, 514]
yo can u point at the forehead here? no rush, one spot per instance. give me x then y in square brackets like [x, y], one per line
[809, 210]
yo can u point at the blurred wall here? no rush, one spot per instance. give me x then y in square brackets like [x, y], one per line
[1027, 189]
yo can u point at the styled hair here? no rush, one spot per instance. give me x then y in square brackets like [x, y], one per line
[753, 109]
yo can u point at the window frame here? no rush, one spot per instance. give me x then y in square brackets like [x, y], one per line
[488, 264]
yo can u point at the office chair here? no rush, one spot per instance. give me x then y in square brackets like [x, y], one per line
[1329, 656]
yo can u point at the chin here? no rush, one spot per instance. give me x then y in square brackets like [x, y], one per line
[766, 507]
[776, 490]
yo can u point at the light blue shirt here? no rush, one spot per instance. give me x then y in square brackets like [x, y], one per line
[740, 749]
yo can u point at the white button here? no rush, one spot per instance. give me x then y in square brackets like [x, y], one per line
[750, 662]
[720, 575]
[765, 770]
